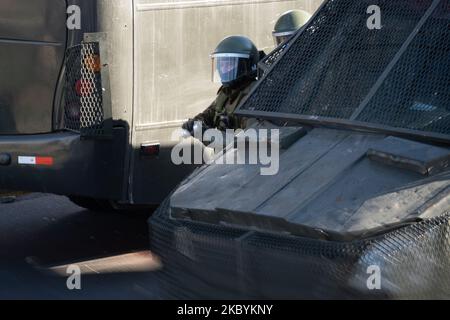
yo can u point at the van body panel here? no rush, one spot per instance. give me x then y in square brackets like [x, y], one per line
[174, 41]
[37, 20]
[116, 22]
[32, 47]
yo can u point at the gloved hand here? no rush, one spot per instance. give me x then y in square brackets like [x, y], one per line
[224, 122]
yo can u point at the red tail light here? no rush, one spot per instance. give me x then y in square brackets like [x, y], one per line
[84, 88]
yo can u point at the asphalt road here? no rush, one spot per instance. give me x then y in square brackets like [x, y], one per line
[41, 235]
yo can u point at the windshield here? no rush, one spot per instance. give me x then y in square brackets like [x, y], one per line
[341, 68]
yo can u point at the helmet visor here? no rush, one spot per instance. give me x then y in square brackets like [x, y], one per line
[282, 37]
[227, 67]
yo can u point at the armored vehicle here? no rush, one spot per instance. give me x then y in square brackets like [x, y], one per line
[360, 206]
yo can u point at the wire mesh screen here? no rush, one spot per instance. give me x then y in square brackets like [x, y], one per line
[84, 109]
[265, 64]
[204, 261]
[416, 93]
[72, 103]
[330, 68]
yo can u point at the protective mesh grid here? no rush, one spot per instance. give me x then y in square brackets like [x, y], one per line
[72, 103]
[83, 110]
[265, 64]
[416, 93]
[330, 68]
[209, 261]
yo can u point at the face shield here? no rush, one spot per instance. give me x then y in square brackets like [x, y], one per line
[227, 67]
[282, 37]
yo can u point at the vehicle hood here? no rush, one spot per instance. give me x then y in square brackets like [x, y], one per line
[332, 184]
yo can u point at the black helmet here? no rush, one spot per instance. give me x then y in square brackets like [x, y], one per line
[235, 57]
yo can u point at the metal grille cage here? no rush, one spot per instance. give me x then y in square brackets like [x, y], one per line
[416, 95]
[265, 64]
[339, 69]
[208, 261]
[84, 103]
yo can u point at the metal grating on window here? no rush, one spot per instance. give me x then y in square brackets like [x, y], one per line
[416, 93]
[84, 104]
[338, 68]
[269, 60]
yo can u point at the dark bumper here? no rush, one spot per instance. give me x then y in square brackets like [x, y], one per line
[92, 168]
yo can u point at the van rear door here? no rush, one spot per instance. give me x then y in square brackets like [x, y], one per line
[32, 46]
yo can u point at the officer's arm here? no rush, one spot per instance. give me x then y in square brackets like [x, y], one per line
[207, 116]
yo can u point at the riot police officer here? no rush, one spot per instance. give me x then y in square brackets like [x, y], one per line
[285, 27]
[288, 24]
[234, 64]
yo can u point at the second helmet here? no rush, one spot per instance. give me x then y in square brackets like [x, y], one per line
[289, 23]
